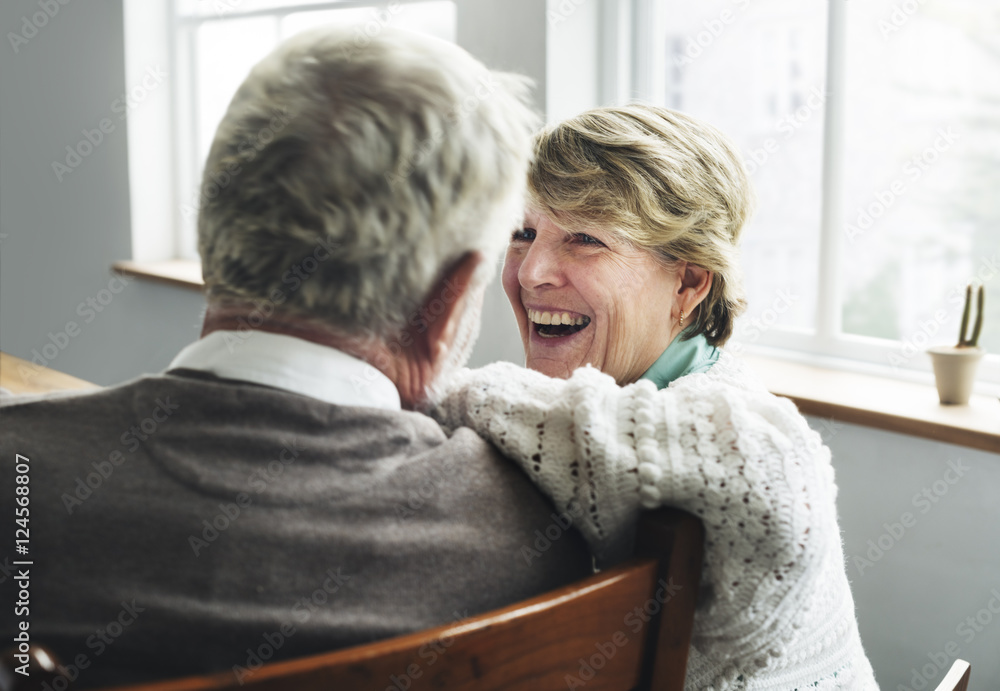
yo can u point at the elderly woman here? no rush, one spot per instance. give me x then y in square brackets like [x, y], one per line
[625, 283]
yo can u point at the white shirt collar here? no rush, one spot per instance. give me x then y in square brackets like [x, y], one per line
[292, 364]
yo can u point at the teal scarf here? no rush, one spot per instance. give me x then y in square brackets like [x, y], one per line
[682, 357]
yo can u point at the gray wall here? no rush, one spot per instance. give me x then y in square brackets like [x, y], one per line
[933, 560]
[58, 240]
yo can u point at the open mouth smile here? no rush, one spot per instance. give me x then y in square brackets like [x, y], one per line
[557, 324]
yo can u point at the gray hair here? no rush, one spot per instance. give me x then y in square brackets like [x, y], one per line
[349, 174]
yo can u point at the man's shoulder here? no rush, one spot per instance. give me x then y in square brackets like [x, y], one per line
[44, 405]
[61, 406]
[71, 426]
[9, 400]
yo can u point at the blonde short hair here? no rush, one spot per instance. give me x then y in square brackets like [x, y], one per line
[350, 172]
[662, 180]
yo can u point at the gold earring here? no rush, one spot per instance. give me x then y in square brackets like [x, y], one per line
[682, 317]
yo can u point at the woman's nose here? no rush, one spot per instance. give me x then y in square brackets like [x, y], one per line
[540, 267]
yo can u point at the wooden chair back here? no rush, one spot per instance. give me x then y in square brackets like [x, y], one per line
[627, 628]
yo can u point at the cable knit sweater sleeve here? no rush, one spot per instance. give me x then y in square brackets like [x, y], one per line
[715, 444]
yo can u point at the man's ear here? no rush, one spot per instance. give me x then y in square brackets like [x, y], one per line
[695, 282]
[445, 305]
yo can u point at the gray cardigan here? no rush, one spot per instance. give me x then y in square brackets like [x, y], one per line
[185, 524]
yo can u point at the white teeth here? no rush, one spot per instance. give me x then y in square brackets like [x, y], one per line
[555, 318]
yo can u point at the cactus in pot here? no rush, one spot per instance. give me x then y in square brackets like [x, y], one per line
[973, 340]
[955, 366]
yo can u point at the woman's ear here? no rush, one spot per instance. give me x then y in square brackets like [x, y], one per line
[694, 286]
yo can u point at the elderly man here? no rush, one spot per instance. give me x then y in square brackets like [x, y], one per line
[273, 494]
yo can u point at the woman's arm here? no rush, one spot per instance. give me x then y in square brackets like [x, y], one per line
[742, 460]
[560, 433]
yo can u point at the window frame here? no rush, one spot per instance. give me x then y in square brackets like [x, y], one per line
[183, 30]
[826, 344]
[629, 59]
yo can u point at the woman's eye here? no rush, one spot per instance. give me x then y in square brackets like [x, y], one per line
[584, 239]
[523, 235]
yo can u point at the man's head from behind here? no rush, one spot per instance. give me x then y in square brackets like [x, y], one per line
[357, 189]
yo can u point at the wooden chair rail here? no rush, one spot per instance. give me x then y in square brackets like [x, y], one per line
[957, 678]
[524, 646]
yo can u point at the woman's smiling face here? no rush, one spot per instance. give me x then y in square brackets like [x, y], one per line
[587, 297]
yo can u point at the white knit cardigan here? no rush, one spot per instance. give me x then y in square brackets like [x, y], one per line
[775, 609]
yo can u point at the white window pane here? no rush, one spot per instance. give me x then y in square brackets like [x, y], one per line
[923, 168]
[434, 18]
[226, 50]
[758, 72]
[226, 47]
[223, 8]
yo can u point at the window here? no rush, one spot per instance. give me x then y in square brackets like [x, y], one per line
[872, 133]
[209, 47]
[220, 40]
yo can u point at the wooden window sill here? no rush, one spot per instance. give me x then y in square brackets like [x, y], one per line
[183, 273]
[882, 403]
[861, 399]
